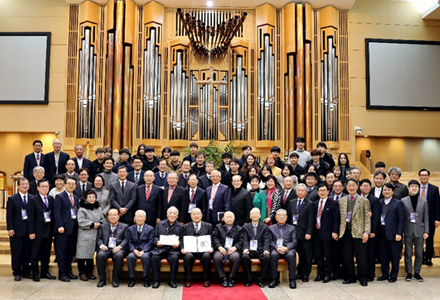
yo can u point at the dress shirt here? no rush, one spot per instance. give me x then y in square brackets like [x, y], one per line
[426, 190]
[377, 192]
[80, 162]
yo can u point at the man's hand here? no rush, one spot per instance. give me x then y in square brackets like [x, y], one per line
[335, 236]
[11, 232]
[123, 211]
[222, 250]
[232, 250]
[116, 249]
[308, 236]
[176, 246]
[267, 220]
[61, 230]
[425, 236]
[372, 235]
[365, 238]
[157, 220]
[32, 236]
[266, 252]
[97, 224]
[370, 214]
[183, 251]
[398, 238]
[159, 244]
[104, 248]
[210, 250]
[437, 224]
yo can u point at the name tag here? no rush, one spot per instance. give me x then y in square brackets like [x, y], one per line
[318, 220]
[72, 213]
[228, 242]
[24, 214]
[382, 219]
[112, 242]
[295, 219]
[211, 202]
[413, 217]
[280, 242]
[46, 215]
[191, 207]
[348, 217]
[254, 245]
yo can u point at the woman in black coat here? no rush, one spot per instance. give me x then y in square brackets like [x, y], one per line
[242, 202]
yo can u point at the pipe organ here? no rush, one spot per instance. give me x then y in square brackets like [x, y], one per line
[145, 73]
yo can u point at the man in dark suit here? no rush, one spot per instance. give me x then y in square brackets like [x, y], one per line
[169, 226]
[137, 175]
[122, 195]
[55, 161]
[140, 244]
[183, 178]
[38, 174]
[289, 192]
[197, 228]
[283, 245]
[255, 238]
[379, 181]
[205, 180]
[40, 226]
[431, 193]
[112, 241]
[97, 166]
[161, 176]
[197, 197]
[17, 214]
[338, 191]
[149, 198]
[176, 196]
[79, 159]
[400, 190]
[234, 170]
[83, 184]
[219, 199]
[33, 160]
[391, 231]
[326, 231]
[298, 170]
[302, 215]
[66, 229]
[311, 179]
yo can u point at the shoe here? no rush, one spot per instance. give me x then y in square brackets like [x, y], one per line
[27, 275]
[319, 278]
[292, 284]
[326, 279]
[418, 277]
[156, 284]
[36, 279]
[334, 277]
[364, 283]
[370, 279]
[83, 277]
[91, 277]
[248, 283]
[224, 282]
[206, 283]
[382, 278]
[17, 278]
[273, 283]
[298, 276]
[101, 283]
[64, 278]
[392, 280]
[48, 276]
[187, 283]
[71, 276]
[260, 284]
[348, 281]
[231, 282]
[115, 284]
[146, 282]
[172, 284]
[429, 262]
[408, 277]
[306, 279]
[131, 282]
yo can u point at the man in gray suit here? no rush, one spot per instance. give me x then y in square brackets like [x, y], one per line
[122, 195]
[416, 229]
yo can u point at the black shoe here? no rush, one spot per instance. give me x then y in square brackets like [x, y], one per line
[172, 284]
[306, 279]
[224, 282]
[17, 278]
[91, 277]
[48, 276]
[231, 282]
[187, 283]
[206, 283]
[370, 279]
[364, 283]
[131, 282]
[334, 277]
[146, 282]
[101, 283]
[260, 284]
[27, 275]
[392, 280]
[115, 284]
[273, 283]
[348, 281]
[36, 279]
[326, 279]
[298, 276]
[382, 278]
[418, 277]
[71, 276]
[64, 278]
[408, 277]
[429, 262]
[319, 278]
[248, 283]
[292, 284]
[156, 284]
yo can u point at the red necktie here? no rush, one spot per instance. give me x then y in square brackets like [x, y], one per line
[351, 198]
[319, 213]
[170, 193]
[71, 200]
[147, 194]
[285, 198]
[423, 192]
[192, 195]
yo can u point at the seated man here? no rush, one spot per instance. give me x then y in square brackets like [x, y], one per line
[227, 245]
[140, 243]
[197, 228]
[255, 238]
[283, 245]
[112, 240]
[169, 226]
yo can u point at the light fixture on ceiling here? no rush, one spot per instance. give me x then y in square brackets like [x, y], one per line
[209, 3]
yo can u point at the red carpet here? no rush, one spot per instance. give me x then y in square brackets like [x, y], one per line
[217, 292]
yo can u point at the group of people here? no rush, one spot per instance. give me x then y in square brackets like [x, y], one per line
[146, 208]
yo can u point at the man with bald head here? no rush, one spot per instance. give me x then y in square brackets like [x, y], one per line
[55, 161]
[174, 195]
[79, 159]
[149, 199]
[70, 167]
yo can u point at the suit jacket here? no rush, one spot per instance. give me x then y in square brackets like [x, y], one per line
[14, 220]
[291, 196]
[141, 181]
[306, 217]
[400, 191]
[152, 206]
[422, 223]
[179, 199]
[105, 202]
[330, 219]
[360, 220]
[30, 162]
[95, 167]
[333, 196]
[127, 200]
[220, 234]
[313, 194]
[33, 187]
[36, 223]
[263, 237]
[298, 171]
[50, 167]
[204, 182]
[381, 193]
[289, 236]
[189, 229]
[222, 202]
[104, 234]
[144, 242]
[200, 201]
[78, 191]
[182, 181]
[85, 163]
[394, 219]
[227, 179]
[433, 198]
[375, 212]
[61, 208]
[241, 205]
[163, 183]
[165, 228]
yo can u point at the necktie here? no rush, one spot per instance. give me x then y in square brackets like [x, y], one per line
[197, 228]
[186, 177]
[298, 206]
[337, 199]
[71, 200]
[309, 189]
[139, 232]
[281, 231]
[285, 197]
[84, 188]
[192, 195]
[136, 178]
[170, 193]
[214, 190]
[38, 158]
[423, 192]
[147, 194]
[123, 187]
[24, 202]
[319, 213]
[46, 203]
[351, 198]
[255, 231]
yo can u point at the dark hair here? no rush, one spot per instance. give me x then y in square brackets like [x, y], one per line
[100, 176]
[88, 192]
[166, 150]
[136, 157]
[323, 184]
[290, 170]
[321, 144]
[161, 160]
[292, 154]
[37, 141]
[311, 174]
[209, 162]
[254, 177]
[275, 149]
[246, 147]
[44, 180]
[379, 164]
[413, 181]
[234, 160]
[194, 175]
[193, 144]
[365, 180]
[124, 150]
[149, 149]
[99, 150]
[271, 177]
[300, 139]
[425, 170]
[67, 178]
[174, 153]
[315, 152]
[338, 180]
[379, 173]
[346, 157]
[83, 169]
[249, 168]
[351, 180]
[266, 167]
[200, 153]
[122, 167]
[389, 185]
[59, 176]
[22, 179]
[139, 148]
[108, 158]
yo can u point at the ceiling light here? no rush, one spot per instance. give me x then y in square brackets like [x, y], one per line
[209, 3]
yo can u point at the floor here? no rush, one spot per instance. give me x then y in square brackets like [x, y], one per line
[45, 289]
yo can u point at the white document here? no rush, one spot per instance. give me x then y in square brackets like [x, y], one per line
[197, 244]
[190, 243]
[169, 240]
[204, 243]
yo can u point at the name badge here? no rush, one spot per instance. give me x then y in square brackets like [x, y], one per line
[348, 217]
[191, 207]
[413, 217]
[228, 242]
[211, 202]
[112, 242]
[72, 213]
[254, 245]
[46, 215]
[295, 219]
[382, 219]
[280, 242]
[24, 214]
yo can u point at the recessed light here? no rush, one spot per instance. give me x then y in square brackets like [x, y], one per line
[209, 3]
